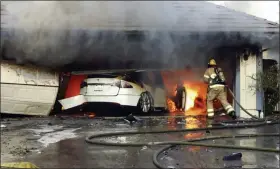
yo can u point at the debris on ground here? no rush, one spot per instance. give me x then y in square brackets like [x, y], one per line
[3, 126]
[233, 156]
[144, 148]
[132, 119]
[20, 151]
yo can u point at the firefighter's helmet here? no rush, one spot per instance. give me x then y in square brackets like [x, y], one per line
[212, 62]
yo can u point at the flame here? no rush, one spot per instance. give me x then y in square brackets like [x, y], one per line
[194, 89]
[171, 105]
[191, 96]
[196, 92]
[91, 115]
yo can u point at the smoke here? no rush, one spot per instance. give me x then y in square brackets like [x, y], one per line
[263, 9]
[101, 34]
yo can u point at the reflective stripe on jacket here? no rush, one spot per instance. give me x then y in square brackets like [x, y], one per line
[210, 75]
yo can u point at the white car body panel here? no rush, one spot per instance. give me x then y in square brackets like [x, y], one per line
[72, 101]
[158, 95]
[112, 94]
[101, 87]
[102, 90]
[124, 100]
[27, 90]
[136, 90]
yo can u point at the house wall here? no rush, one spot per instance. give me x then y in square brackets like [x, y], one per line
[238, 72]
[248, 96]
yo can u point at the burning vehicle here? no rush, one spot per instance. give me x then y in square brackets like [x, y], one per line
[121, 89]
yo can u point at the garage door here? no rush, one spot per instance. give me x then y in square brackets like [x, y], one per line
[27, 90]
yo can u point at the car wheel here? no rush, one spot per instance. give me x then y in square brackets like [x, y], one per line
[184, 99]
[181, 99]
[146, 103]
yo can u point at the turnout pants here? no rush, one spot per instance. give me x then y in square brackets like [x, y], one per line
[219, 93]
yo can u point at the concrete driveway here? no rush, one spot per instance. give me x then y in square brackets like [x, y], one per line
[59, 143]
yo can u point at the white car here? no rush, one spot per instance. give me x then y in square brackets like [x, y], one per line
[120, 89]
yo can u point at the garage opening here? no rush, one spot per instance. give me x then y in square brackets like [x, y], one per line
[177, 92]
[173, 92]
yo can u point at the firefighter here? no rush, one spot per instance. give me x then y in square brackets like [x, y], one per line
[217, 89]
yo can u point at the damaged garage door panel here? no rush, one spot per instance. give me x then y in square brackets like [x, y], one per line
[12, 73]
[27, 90]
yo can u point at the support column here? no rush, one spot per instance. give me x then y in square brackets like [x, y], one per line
[249, 97]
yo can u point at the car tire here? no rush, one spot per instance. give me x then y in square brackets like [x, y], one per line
[181, 99]
[184, 99]
[146, 103]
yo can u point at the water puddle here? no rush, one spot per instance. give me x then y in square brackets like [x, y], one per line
[57, 136]
[53, 134]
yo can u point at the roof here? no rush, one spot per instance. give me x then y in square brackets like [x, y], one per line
[103, 42]
[148, 15]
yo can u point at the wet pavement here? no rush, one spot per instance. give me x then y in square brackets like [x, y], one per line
[59, 143]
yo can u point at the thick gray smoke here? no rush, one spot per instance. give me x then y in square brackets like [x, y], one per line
[102, 34]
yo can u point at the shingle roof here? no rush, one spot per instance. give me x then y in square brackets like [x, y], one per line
[174, 15]
[145, 15]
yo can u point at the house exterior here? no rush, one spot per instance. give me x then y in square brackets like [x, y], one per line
[163, 35]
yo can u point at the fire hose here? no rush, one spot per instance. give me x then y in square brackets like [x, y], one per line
[193, 142]
[234, 98]
[91, 139]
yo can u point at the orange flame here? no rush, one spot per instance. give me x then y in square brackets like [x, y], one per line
[171, 105]
[191, 96]
[194, 89]
[91, 115]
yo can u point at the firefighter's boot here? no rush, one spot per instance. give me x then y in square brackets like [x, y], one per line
[210, 115]
[232, 114]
